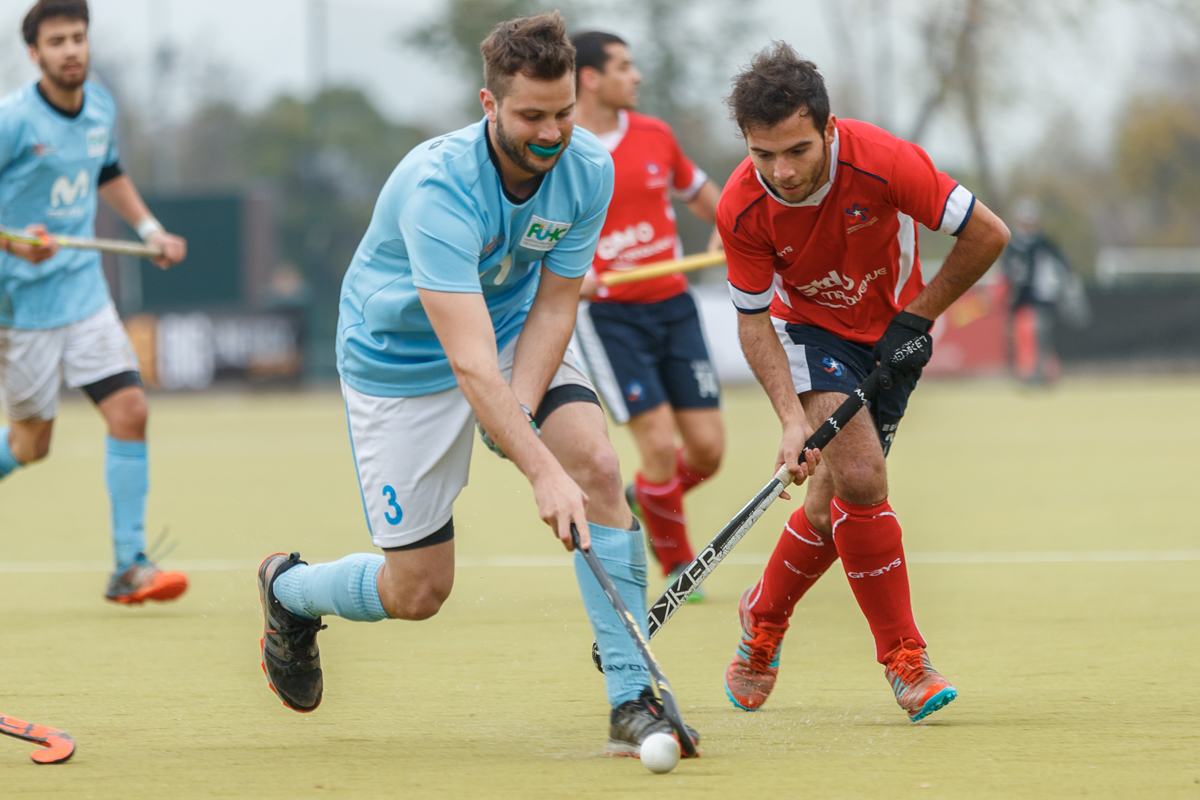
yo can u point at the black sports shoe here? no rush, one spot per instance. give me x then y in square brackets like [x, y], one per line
[290, 657]
[634, 720]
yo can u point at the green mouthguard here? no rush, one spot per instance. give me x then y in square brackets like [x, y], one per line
[545, 152]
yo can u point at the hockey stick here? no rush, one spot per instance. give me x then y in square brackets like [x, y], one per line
[59, 746]
[721, 545]
[119, 246]
[660, 268]
[670, 707]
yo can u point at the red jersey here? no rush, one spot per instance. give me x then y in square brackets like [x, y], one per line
[640, 227]
[844, 259]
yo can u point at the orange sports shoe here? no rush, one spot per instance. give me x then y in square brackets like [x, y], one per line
[750, 677]
[920, 689]
[142, 581]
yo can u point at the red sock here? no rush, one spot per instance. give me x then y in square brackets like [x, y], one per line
[801, 556]
[662, 509]
[688, 476]
[868, 540]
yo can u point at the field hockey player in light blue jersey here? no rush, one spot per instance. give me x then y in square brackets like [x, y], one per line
[456, 310]
[58, 151]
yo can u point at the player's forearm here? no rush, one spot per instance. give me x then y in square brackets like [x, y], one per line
[122, 197]
[770, 366]
[704, 204]
[544, 337]
[500, 414]
[980, 243]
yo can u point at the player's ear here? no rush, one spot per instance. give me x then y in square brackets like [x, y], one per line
[490, 105]
[589, 78]
[830, 127]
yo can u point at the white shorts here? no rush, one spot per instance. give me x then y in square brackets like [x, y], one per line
[34, 364]
[413, 454]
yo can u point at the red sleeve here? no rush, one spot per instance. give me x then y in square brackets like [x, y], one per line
[932, 198]
[751, 263]
[686, 177]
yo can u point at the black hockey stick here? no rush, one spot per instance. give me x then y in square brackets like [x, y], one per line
[670, 707]
[721, 545]
[59, 746]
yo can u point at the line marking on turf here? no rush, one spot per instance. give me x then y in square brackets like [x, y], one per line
[746, 559]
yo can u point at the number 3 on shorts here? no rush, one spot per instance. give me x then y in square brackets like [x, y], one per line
[394, 517]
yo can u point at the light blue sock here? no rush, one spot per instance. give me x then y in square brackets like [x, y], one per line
[128, 477]
[623, 554]
[8, 462]
[345, 588]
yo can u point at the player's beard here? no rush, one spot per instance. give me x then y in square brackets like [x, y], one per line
[810, 184]
[59, 80]
[519, 153]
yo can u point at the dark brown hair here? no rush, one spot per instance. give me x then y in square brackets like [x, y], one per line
[778, 84]
[536, 47]
[591, 49]
[49, 9]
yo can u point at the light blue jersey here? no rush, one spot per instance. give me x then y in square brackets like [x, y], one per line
[443, 222]
[50, 167]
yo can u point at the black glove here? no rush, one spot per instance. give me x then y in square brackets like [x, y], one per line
[906, 345]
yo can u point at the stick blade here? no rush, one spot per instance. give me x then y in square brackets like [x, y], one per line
[59, 746]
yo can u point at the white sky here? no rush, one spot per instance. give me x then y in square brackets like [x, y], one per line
[255, 49]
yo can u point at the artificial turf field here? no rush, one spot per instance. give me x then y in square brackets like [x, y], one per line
[1054, 553]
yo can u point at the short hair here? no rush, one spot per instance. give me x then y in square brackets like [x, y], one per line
[591, 49]
[778, 84]
[48, 9]
[536, 47]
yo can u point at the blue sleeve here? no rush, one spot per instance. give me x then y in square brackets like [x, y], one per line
[113, 154]
[8, 140]
[441, 234]
[572, 258]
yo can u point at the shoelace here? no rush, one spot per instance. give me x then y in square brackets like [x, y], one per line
[908, 666]
[763, 646]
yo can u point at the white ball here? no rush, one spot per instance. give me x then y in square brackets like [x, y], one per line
[660, 752]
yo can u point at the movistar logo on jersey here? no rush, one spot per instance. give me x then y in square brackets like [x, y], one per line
[65, 192]
[543, 234]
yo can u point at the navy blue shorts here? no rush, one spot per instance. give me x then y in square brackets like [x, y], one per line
[824, 362]
[641, 355]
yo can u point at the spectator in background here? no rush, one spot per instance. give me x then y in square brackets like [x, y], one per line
[1040, 285]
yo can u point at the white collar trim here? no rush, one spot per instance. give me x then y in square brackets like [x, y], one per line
[612, 139]
[816, 197]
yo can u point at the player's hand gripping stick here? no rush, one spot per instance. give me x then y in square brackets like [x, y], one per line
[661, 686]
[724, 542]
[59, 746]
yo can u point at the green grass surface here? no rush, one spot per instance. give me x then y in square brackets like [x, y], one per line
[1077, 677]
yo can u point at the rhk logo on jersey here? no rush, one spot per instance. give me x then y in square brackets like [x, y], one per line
[544, 234]
[97, 142]
[858, 212]
[65, 192]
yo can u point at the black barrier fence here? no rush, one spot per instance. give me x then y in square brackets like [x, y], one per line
[1155, 324]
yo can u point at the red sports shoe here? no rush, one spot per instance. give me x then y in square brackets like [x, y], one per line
[919, 689]
[143, 581]
[750, 677]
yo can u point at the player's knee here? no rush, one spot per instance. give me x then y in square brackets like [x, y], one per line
[819, 516]
[28, 449]
[705, 456]
[601, 476]
[418, 602]
[862, 482]
[129, 420]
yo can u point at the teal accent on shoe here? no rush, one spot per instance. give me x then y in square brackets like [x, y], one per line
[744, 652]
[546, 152]
[939, 700]
[733, 700]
